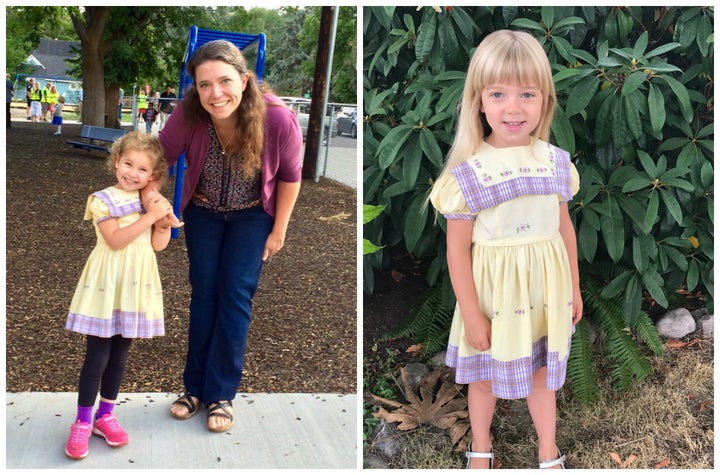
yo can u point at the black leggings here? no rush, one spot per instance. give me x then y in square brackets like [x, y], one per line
[103, 368]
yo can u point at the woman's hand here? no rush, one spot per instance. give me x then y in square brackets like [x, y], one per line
[478, 332]
[275, 241]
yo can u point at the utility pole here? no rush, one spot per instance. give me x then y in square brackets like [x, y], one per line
[317, 114]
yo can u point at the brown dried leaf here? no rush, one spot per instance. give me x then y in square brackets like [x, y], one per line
[415, 349]
[677, 344]
[437, 404]
[662, 464]
[616, 458]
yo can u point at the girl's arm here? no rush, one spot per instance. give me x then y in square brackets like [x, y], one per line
[459, 258]
[287, 193]
[567, 231]
[118, 237]
[160, 237]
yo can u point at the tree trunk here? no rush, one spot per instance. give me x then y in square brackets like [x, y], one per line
[93, 55]
[112, 96]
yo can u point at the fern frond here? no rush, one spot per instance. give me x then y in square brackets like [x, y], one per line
[580, 372]
[625, 358]
[428, 321]
[647, 331]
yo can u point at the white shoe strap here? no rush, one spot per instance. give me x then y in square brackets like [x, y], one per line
[479, 455]
[552, 463]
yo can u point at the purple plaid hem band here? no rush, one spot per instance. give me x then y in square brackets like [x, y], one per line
[479, 196]
[127, 324]
[510, 379]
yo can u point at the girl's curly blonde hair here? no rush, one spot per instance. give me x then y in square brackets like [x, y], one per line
[141, 142]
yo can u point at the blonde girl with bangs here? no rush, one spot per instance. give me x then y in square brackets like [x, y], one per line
[511, 246]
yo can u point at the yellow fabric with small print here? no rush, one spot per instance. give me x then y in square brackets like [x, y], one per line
[519, 261]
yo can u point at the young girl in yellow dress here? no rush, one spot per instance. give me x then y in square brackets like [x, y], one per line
[511, 246]
[119, 296]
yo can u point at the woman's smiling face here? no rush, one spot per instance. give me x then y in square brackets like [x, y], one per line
[220, 87]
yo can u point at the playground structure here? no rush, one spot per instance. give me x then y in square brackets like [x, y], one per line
[253, 48]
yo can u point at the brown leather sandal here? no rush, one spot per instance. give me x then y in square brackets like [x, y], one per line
[186, 401]
[219, 409]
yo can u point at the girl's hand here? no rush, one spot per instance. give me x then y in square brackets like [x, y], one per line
[478, 332]
[157, 206]
[577, 307]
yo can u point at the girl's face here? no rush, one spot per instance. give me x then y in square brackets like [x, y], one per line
[513, 112]
[133, 170]
[220, 87]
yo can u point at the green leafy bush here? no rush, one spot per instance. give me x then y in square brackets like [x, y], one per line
[635, 110]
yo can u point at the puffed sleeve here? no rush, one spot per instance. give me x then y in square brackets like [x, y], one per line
[574, 180]
[96, 209]
[447, 197]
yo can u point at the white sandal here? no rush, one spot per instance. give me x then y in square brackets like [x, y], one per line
[478, 455]
[560, 460]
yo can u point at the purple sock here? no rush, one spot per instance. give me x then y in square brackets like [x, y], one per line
[105, 408]
[84, 414]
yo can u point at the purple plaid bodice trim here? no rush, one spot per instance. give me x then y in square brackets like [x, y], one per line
[480, 196]
[118, 210]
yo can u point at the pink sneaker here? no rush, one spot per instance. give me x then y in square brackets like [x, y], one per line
[109, 427]
[77, 444]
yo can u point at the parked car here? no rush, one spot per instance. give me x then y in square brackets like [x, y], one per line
[301, 107]
[347, 123]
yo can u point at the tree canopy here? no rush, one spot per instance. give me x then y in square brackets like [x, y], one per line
[129, 47]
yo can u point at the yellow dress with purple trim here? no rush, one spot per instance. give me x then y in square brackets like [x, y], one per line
[519, 261]
[119, 291]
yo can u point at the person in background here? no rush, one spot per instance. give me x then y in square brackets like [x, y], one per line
[28, 93]
[120, 104]
[52, 98]
[167, 104]
[44, 101]
[35, 107]
[9, 92]
[150, 117]
[57, 118]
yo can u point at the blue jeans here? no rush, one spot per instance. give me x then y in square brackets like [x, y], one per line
[225, 257]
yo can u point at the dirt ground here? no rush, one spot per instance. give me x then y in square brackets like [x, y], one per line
[304, 331]
[665, 421]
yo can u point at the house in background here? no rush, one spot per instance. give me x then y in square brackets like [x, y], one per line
[48, 64]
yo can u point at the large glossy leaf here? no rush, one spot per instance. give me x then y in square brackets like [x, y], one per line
[562, 131]
[613, 230]
[681, 94]
[415, 221]
[430, 147]
[587, 240]
[633, 82]
[389, 147]
[656, 107]
[672, 205]
[654, 284]
[426, 36]
[581, 95]
[411, 160]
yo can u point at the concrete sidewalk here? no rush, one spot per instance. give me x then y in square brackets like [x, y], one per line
[295, 431]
